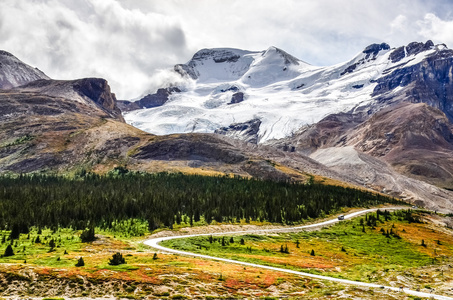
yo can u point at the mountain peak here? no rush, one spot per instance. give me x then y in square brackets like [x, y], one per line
[289, 59]
[14, 72]
[5, 53]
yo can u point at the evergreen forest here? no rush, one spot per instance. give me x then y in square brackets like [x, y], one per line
[164, 199]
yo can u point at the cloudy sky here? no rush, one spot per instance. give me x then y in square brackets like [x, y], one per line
[130, 42]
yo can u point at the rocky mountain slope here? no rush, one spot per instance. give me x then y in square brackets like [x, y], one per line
[14, 72]
[71, 132]
[270, 97]
[68, 126]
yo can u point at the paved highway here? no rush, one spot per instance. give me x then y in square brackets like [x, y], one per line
[155, 244]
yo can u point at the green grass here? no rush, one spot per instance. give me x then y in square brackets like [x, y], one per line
[25, 248]
[361, 256]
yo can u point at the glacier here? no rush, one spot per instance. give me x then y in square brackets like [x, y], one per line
[283, 92]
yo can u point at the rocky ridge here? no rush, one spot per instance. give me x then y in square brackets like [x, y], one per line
[14, 72]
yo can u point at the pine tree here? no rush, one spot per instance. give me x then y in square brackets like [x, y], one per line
[231, 240]
[80, 262]
[88, 235]
[15, 232]
[312, 252]
[117, 259]
[37, 240]
[155, 256]
[242, 241]
[297, 243]
[52, 245]
[8, 251]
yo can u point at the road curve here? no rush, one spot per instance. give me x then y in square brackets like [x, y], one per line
[155, 244]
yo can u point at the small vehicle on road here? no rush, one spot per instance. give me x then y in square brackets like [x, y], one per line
[341, 217]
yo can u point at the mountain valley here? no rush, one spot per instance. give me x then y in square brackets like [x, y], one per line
[246, 140]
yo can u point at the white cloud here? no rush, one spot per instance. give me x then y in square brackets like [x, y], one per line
[399, 24]
[129, 41]
[432, 27]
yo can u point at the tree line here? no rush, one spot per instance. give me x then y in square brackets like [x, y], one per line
[164, 199]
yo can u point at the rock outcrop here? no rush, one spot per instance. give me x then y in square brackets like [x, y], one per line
[430, 81]
[246, 131]
[90, 91]
[149, 101]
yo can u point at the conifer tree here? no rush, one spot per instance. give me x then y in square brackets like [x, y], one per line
[8, 251]
[15, 232]
[117, 259]
[80, 262]
[52, 245]
[88, 235]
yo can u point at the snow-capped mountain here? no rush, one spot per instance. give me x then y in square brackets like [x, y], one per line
[14, 72]
[226, 89]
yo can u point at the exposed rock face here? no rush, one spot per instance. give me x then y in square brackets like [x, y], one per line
[413, 48]
[151, 100]
[14, 72]
[219, 56]
[91, 91]
[98, 90]
[373, 49]
[126, 106]
[237, 98]
[429, 81]
[157, 99]
[247, 131]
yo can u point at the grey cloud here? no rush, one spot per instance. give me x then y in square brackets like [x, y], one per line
[129, 42]
[93, 38]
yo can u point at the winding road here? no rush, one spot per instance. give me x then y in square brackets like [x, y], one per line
[155, 244]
